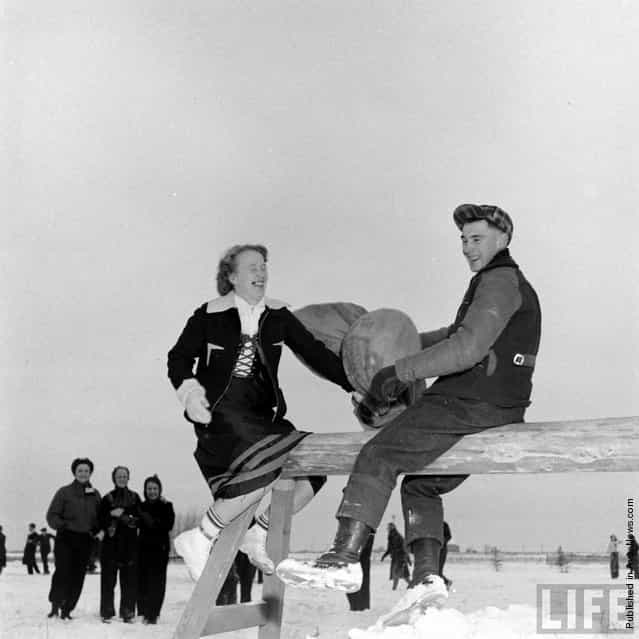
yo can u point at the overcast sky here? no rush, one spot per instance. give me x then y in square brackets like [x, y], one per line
[141, 139]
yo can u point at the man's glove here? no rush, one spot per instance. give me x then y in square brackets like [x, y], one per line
[385, 386]
[197, 406]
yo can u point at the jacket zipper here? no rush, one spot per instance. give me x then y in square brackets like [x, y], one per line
[266, 365]
[228, 383]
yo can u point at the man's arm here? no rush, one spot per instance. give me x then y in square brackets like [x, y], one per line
[496, 299]
[430, 338]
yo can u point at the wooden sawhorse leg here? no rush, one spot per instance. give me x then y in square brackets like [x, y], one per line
[198, 608]
[202, 617]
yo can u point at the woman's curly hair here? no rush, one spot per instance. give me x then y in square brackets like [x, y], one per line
[227, 264]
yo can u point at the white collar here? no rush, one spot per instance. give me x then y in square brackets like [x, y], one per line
[249, 315]
[244, 307]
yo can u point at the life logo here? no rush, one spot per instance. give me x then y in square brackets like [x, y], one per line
[583, 609]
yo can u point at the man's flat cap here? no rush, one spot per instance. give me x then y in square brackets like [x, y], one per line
[466, 213]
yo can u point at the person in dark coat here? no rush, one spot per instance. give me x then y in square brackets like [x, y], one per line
[45, 548]
[361, 599]
[119, 519]
[228, 593]
[246, 575]
[156, 520]
[30, 547]
[3, 550]
[400, 559]
[73, 514]
[632, 556]
[613, 554]
[235, 402]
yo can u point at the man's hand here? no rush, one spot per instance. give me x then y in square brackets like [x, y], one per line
[116, 512]
[99, 535]
[385, 386]
[197, 407]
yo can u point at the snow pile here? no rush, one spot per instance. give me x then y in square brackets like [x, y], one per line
[514, 622]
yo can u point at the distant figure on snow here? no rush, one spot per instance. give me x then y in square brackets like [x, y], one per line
[45, 548]
[613, 552]
[3, 550]
[633, 563]
[562, 560]
[156, 520]
[400, 559]
[30, 547]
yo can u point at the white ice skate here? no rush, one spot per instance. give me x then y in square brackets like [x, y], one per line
[431, 592]
[194, 547]
[305, 574]
[254, 545]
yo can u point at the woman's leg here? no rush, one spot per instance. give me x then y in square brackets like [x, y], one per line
[254, 543]
[194, 545]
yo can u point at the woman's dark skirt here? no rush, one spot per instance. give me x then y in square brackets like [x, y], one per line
[243, 449]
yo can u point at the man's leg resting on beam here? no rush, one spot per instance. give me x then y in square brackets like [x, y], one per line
[416, 438]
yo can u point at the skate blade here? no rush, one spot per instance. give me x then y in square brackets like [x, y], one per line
[303, 574]
[410, 614]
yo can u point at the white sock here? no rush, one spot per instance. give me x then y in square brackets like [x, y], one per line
[262, 520]
[211, 524]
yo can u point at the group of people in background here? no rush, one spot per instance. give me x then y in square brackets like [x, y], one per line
[35, 540]
[134, 536]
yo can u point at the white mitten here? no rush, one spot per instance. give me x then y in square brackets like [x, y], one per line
[193, 398]
[197, 407]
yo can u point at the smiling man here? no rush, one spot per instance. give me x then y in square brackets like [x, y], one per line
[224, 368]
[483, 363]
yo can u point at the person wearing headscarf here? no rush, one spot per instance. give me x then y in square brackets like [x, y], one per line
[156, 520]
[119, 519]
[73, 514]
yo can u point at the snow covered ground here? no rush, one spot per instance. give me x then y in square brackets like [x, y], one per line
[485, 604]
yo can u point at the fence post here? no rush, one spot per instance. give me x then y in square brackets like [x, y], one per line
[277, 545]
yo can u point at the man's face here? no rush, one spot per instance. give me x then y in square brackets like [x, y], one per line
[480, 243]
[250, 276]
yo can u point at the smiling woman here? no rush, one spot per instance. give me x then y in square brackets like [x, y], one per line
[235, 402]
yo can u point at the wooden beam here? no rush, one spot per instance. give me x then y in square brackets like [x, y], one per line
[592, 445]
[235, 617]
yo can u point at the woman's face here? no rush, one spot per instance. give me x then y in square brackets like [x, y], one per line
[250, 277]
[82, 473]
[152, 491]
[121, 477]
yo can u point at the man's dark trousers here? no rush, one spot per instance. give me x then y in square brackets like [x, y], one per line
[416, 438]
